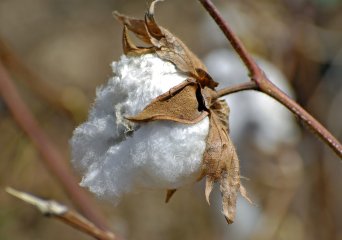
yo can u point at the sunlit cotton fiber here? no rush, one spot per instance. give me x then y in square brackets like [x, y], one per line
[115, 156]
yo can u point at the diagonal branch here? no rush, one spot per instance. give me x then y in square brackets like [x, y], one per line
[263, 84]
[51, 208]
[51, 157]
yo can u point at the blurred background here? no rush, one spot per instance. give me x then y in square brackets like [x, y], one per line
[292, 177]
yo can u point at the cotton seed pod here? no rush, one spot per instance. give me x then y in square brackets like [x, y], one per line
[157, 123]
[117, 156]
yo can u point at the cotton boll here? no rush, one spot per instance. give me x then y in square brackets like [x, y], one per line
[116, 156]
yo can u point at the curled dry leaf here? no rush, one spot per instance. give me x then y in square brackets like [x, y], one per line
[189, 103]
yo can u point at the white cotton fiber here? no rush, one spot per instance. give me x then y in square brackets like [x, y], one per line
[116, 156]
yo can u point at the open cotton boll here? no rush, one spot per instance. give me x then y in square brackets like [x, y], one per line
[116, 156]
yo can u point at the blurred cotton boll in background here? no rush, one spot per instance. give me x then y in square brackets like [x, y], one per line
[116, 156]
[254, 114]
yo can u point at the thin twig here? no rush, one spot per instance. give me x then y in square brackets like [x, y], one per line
[266, 86]
[51, 157]
[52, 208]
[237, 88]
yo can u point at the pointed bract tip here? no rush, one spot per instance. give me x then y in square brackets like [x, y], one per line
[244, 194]
[152, 7]
[209, 184]
[169, 194]
[229, 221]
[228, 214]
[116, 15]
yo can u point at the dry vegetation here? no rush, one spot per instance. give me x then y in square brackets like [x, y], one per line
[69, 45]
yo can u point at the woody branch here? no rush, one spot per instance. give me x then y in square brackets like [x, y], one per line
[50, 208]
[260, 82]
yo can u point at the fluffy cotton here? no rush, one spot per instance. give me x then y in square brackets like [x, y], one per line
[116, 156]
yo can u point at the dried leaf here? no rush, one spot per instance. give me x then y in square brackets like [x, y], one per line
[170, 106]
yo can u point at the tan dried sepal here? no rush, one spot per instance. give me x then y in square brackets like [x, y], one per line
[165, 45]
[179, 104]
[130, 48]
[169, 194]
[137, 26]
[171, 48]
[220, 161]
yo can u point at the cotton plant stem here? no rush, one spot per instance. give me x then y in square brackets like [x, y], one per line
[264, 85]
[51, 157]
[54, 209]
